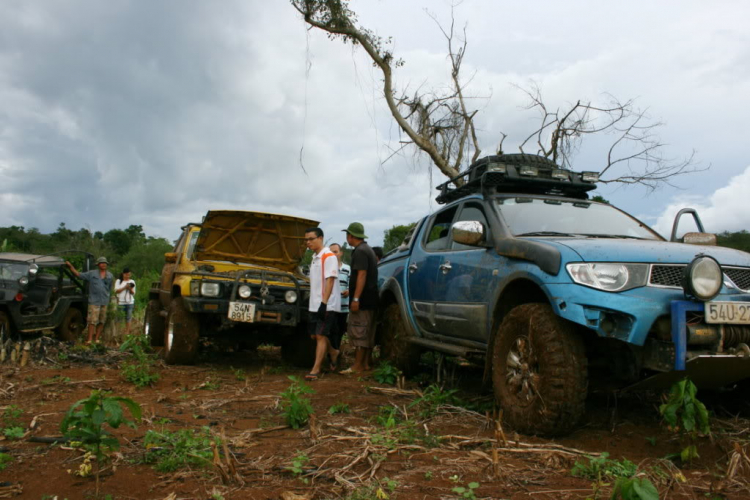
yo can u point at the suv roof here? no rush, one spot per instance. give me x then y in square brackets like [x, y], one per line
[517, 173]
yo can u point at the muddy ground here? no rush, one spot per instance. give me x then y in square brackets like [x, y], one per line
[352, 455]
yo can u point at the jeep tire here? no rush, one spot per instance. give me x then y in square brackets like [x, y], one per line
[297, 348]
[72, 326]
[181, 336]
[153, 323]
[393, 346]
[539, 371]
[4, 327]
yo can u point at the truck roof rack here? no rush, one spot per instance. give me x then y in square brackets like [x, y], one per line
[517, 173]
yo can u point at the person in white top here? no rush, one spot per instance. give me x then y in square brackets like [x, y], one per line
[325, 299]
[125, 290]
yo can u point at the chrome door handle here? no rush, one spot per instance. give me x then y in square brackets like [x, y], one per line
[413, 267]
[445, 267]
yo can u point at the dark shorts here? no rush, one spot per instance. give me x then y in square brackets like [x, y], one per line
[341, 319]
[361, 329]
[322, 324]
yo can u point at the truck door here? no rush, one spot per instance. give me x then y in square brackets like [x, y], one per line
[427, 254]
[464, 283]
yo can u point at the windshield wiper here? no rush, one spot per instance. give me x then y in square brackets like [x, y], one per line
[547, 233]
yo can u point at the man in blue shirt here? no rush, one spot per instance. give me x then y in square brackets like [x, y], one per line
[100, 286]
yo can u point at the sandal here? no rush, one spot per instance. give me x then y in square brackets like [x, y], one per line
[312, 377]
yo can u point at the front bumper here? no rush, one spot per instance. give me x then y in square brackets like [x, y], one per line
[277, 313]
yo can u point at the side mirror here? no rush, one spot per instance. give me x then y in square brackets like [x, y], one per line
[170, 257]
[469, 232]
[699, 238]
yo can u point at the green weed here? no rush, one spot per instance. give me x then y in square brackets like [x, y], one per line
[386, 373]
[13, 432]
[634, 489]
[239, 374]
[339, 408]
[138, 370]
[466, 491]
[5, 460]
[686, 415]
[298, 466]
[169, 451]
[295, 407]
[433, 398]
[380, 490]
[601, 467]
[57, 379]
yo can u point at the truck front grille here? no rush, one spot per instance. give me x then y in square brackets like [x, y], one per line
[670, 276]
[739, 276]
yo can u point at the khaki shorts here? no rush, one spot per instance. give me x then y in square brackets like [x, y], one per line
[361, 329]
[97, 315]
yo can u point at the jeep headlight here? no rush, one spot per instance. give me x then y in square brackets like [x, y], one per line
[23, 281]
[703, 278]
[33, 269]
[290, 296]
[210, 289]
[609, 276]
[245, 291]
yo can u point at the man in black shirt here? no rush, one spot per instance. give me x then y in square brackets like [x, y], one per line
[363, 297]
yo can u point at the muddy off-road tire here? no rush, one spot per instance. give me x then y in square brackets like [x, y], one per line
[393, 347]
[153, 323]
[539, 371]
[72, 327]
[5, 330]
[181, 336]
[297, 348]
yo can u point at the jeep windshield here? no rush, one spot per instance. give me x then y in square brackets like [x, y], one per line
[527, 216]
[13, 270]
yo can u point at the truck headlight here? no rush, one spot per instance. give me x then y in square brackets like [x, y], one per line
[290, 296]
[609, 276]
[23, 281]
[33, 269]
[245, 291]
[210, 289]
[703, 278]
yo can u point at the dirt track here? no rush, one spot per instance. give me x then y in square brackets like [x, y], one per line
[350, 455]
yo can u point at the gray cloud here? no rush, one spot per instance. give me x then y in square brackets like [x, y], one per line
[151, 113]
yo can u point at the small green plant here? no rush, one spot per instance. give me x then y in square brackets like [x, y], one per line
[601, 467]
[428, 475]
[651, 440]
[5, 460]
[386, 373]
[339, 408]
[239, 374]
[11, 416]
[466, 491]
[634, 489]
[169, 451]
[57, 379]
[84, 424]
[388, 417]
[433, 398]
[138, 370]
[379, 490]
[686, 415]
[13, 432]
[298, 466]
[295, 407]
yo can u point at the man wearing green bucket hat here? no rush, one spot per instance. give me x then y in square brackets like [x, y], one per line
[363, 297]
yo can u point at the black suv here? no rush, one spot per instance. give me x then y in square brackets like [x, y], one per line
[38, 292]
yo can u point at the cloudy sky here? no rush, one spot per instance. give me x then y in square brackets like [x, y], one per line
[131, 112]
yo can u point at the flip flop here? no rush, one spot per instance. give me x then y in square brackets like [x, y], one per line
[312, 377]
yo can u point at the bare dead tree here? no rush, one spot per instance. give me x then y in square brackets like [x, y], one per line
[438, 123]
[635, 155]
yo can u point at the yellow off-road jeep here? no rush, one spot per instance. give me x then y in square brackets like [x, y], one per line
[234, 275]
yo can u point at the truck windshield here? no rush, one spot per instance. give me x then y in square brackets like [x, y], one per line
[13, 271]
[551, 217]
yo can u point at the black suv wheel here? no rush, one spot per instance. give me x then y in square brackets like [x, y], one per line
[539, 371]
[72, 326]
[393, 346]
[181, 338]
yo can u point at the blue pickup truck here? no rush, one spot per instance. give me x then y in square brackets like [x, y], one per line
[550, 290]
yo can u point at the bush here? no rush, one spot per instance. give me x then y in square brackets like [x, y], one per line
[296, 408]
[386, 373]
[169, 451]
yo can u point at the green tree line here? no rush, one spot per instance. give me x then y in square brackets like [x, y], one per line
[129, 247]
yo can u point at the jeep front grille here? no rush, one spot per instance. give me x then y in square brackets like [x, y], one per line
[669, 276]
[739, 276]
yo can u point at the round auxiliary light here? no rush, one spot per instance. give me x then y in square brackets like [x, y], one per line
[290, 296]
[23, 281]
[245, 291]
[703, 278]
[33, 269]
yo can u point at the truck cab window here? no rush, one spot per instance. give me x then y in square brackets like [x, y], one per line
[438, 237]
